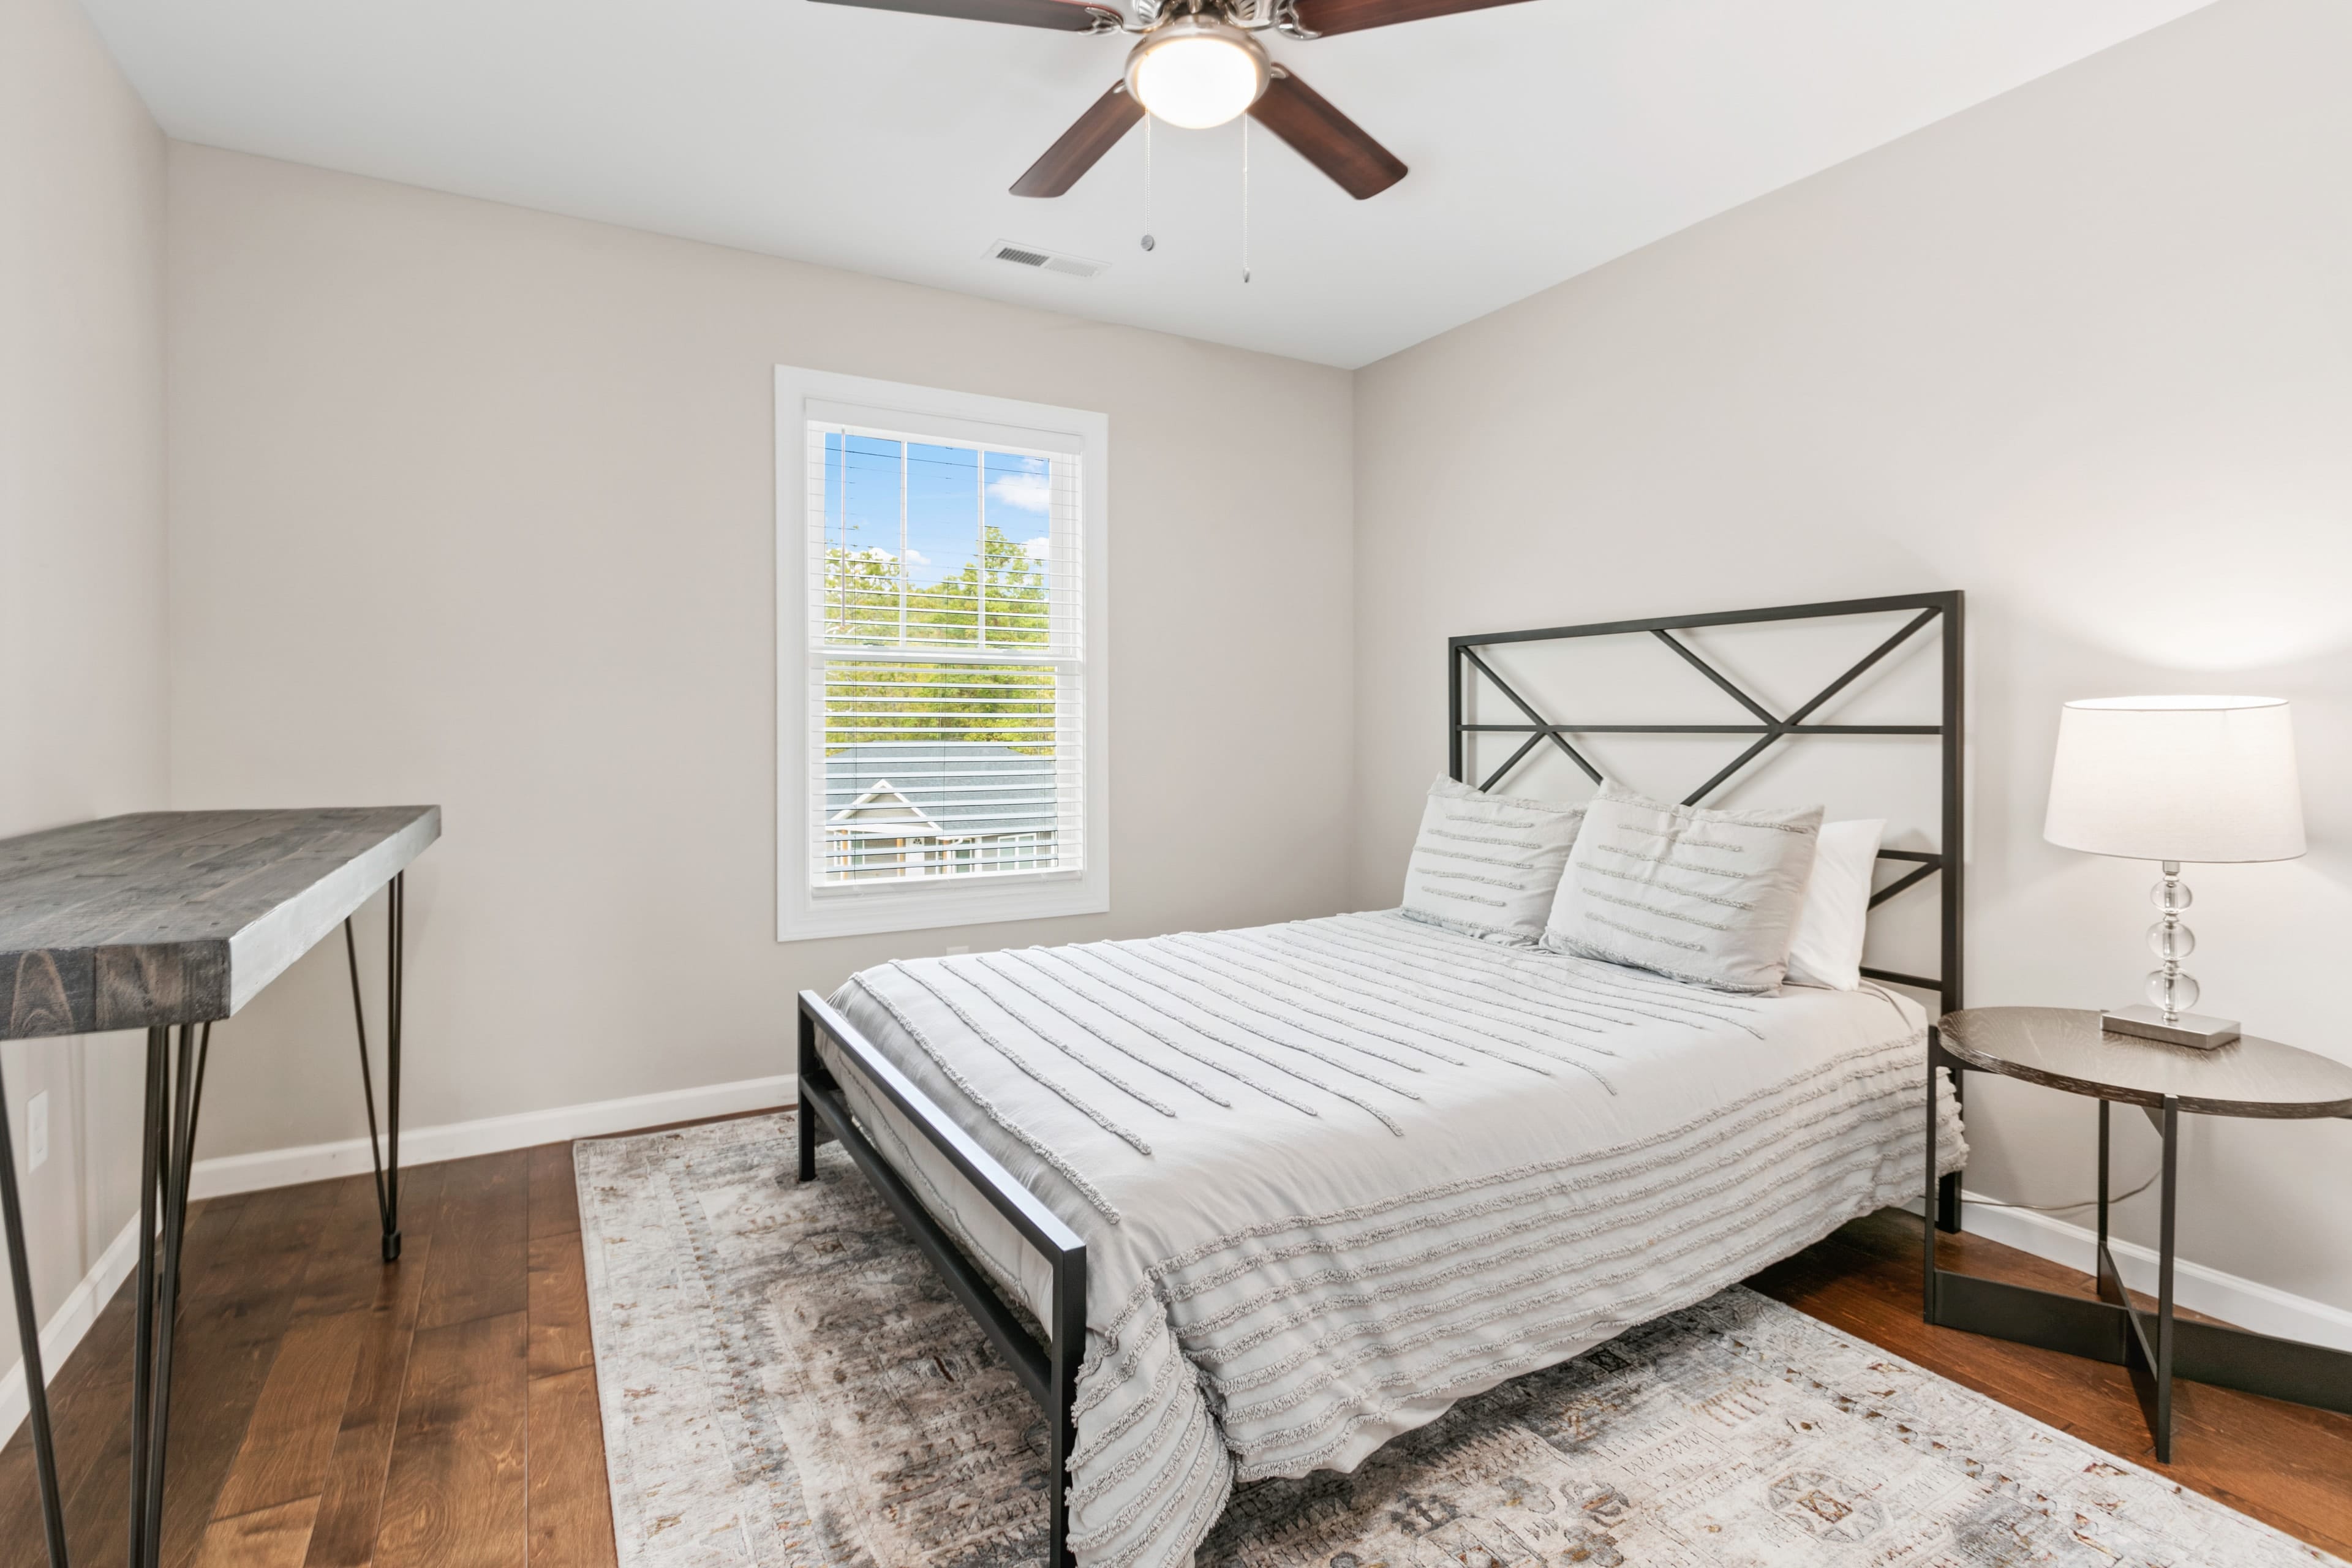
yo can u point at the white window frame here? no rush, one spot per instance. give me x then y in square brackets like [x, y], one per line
[804, 910]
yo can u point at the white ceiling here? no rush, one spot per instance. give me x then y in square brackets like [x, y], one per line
[1544, 138]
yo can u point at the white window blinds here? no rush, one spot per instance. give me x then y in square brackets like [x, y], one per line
[946, 654]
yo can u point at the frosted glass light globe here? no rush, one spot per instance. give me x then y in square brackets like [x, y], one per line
[1195, 72]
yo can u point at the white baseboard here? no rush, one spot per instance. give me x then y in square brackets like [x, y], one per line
[229, 1173]
[2247, 1303]
[70, 1322]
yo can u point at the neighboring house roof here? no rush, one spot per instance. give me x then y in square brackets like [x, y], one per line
[881, 809]
[963, 788]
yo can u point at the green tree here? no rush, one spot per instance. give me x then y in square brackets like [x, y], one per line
[1001, 600]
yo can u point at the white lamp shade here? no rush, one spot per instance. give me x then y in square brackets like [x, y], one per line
[2177, 778]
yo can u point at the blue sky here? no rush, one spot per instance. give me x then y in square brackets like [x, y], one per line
[950, 491]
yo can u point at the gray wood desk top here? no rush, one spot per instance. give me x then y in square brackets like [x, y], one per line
[179, 917]
[2064, 1048]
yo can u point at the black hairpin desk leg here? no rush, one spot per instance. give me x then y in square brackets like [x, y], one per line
[187, 1149]
[148, 1498]
[28, 1339]
[384, 1152]
[142, 1344]
[164, 1174]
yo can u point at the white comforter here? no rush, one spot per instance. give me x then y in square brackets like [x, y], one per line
[1334, 1175]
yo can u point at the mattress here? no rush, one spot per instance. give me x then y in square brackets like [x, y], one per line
[1334, 1175]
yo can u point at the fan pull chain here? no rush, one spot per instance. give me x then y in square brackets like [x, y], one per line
[1148, 243]
[1245, 266]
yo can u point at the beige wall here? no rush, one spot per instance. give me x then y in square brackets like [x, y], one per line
[476, 505]
[2085, 351]
[81, 552]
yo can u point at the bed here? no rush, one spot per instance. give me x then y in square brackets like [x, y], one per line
[1246, 1203]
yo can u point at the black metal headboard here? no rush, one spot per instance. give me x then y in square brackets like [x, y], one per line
[1463, 666]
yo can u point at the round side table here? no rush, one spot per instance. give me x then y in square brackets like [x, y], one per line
[2064, 1048]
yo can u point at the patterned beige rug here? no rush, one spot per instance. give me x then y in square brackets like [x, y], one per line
[785, 1385]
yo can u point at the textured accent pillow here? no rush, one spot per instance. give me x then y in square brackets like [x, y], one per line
[1487, 865]
[1711, 896]
[1827, 951]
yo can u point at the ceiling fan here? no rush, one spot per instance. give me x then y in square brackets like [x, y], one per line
[1198, 63]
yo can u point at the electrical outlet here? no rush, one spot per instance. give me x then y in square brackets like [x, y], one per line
[36, 1131]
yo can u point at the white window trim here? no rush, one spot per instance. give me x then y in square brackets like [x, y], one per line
[802, 912]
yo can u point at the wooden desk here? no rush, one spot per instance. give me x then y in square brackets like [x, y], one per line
[171, 920]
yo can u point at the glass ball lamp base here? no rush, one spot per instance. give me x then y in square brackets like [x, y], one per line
[2171, 991]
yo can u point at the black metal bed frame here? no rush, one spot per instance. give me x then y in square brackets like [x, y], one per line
[1049, 1371]
[1463, 662]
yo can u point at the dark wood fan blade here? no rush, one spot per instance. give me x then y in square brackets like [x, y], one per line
[1107, 120]
[1069, 16]
[1326, 138]
[1355, 16]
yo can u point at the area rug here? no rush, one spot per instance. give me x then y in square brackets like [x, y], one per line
[786, 1385]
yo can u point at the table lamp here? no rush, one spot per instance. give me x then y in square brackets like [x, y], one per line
[2172, 779]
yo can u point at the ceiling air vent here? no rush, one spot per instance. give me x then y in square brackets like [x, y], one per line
[1042, 261]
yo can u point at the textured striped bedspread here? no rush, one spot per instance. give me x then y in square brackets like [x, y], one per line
[1335, 1176]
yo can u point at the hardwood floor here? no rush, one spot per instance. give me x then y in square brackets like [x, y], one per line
[333, 1413]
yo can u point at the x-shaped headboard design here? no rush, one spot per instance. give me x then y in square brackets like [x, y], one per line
[1464, 663]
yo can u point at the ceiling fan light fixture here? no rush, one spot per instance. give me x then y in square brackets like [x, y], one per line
[1195, 71]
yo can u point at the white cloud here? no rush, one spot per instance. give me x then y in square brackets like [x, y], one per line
[1028, 493]
[917, 558]
[1040, 547]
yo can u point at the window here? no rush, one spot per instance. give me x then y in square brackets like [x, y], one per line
[941, 672]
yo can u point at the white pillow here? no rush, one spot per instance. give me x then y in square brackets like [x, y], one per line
[1487, 865]
[1709, 897]
[1827, 951]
